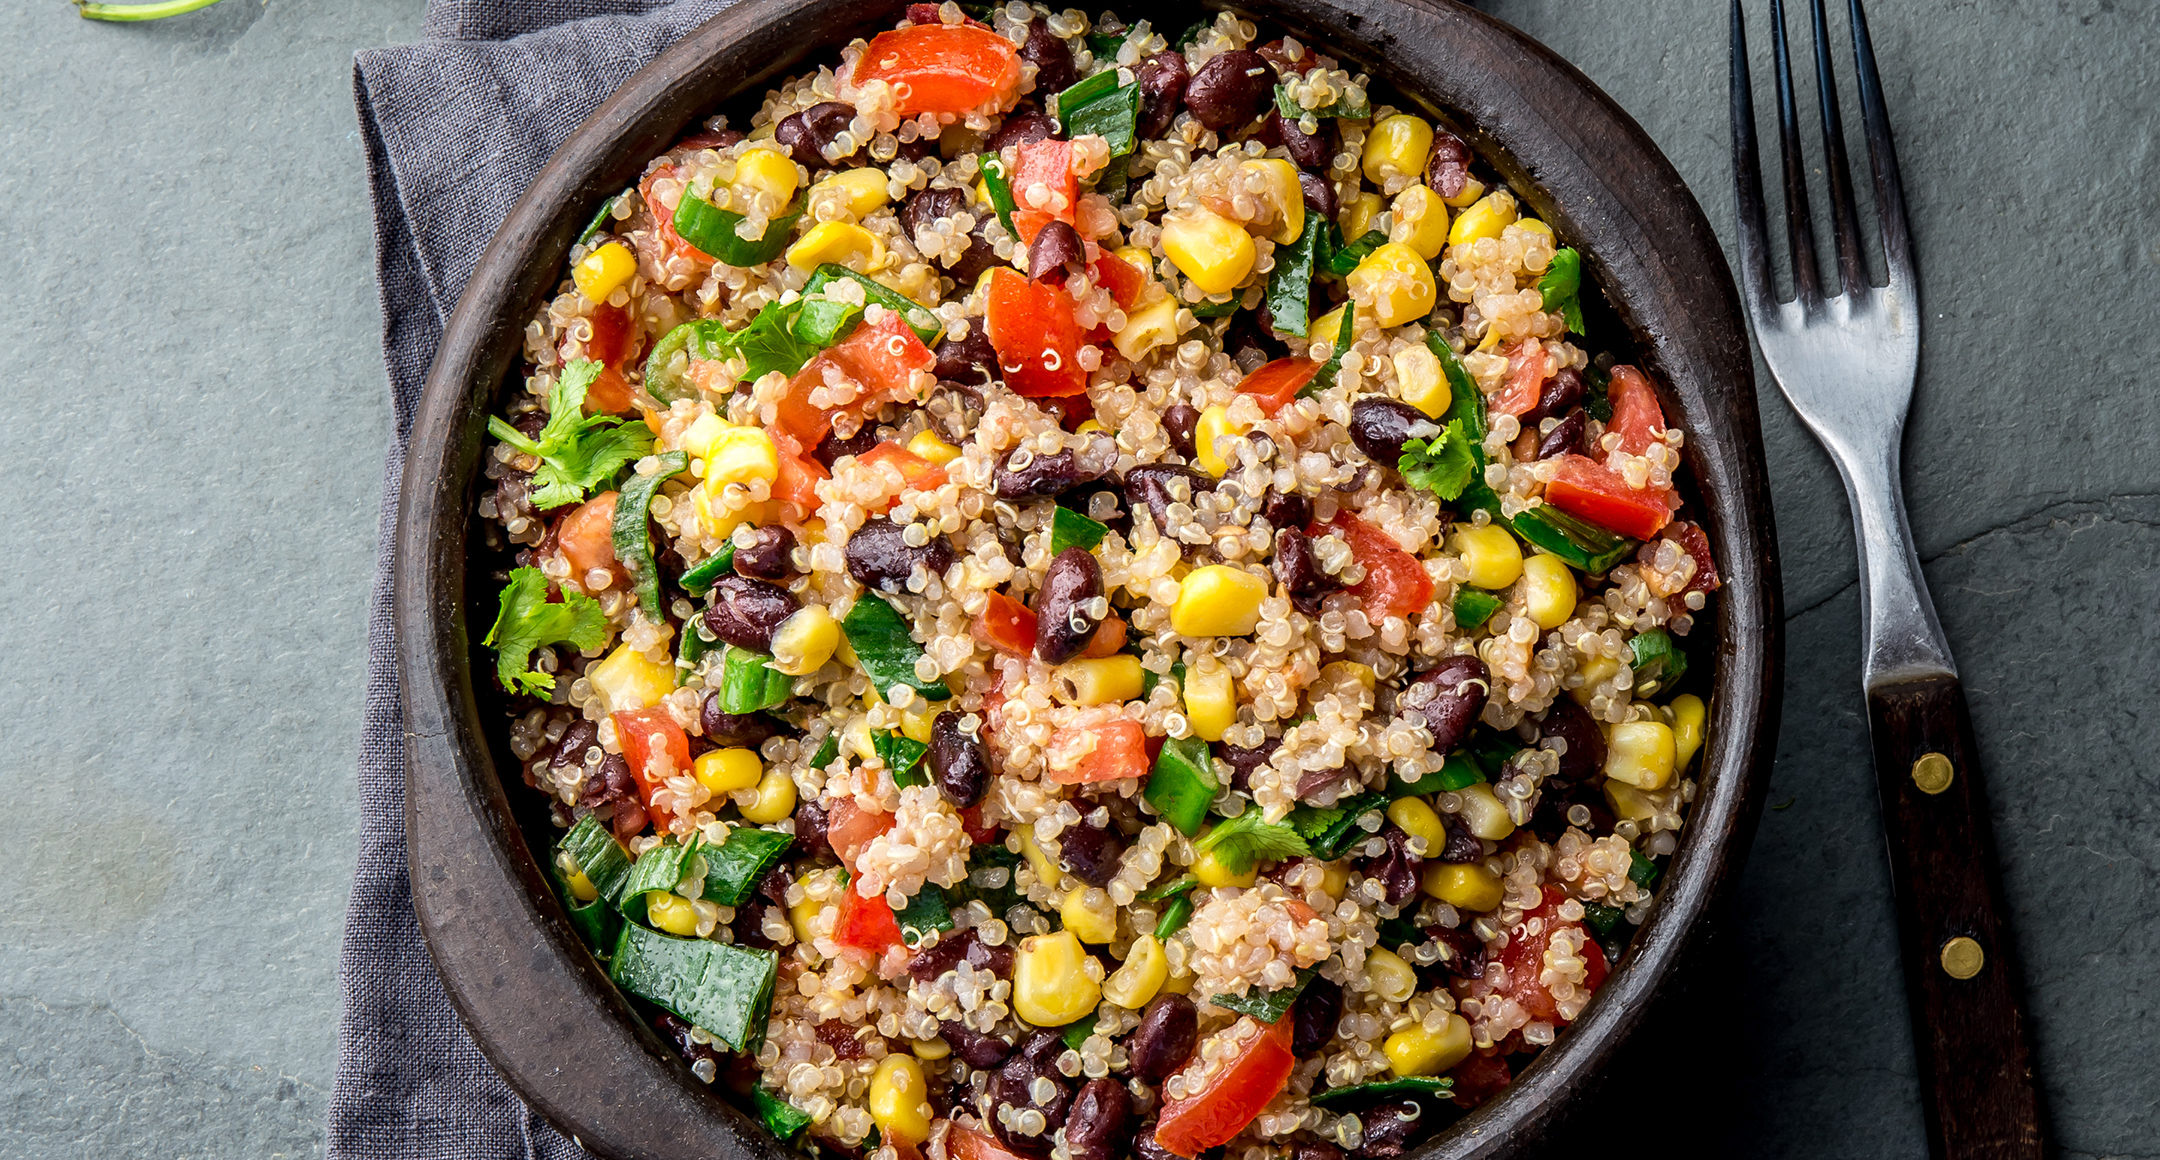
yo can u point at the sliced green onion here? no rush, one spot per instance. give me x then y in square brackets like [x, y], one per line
[1182, 783]
[712, 230]
[725, 989]
[1070, 529]
[734, 867]
[632, 534]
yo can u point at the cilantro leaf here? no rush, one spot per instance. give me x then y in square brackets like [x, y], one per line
[1443, 465]
[770, 343]
[1562, 287]
[1244, 840]
[577, 452]
[528, 620]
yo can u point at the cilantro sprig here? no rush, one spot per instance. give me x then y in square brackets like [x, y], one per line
[1443, 465]
[1562, 287]
[1244, 841]
[577, 452]
[528, 620]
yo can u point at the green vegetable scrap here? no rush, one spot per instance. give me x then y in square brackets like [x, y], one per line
[1641, 870]
[924, 913]
[734, 867]
[1657, 660]
[888, 653]
[1070, 529]
[749, 683]
[1102, 106]
[1342, 259]
[713, 231]
[1174, 917]
[699, 580]
[725, 989]
[1444, 464]
[577, 452]
[1473, 607]
[667, 368]
[633, 536]
[901, 755]
[1289, 288]
[527, 620]
[1001, 198]
[780, 1118]
[919, 319]
[1171, 889]
[1182, 783]
[1288, 106]
[1562, 287]
[589, 848]
[1357, 1095]
[1077, 1032]
[1245, 841]
[1330, 830]
[1266, 1006]
[1325, 377]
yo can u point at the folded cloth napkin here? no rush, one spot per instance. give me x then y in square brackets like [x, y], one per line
[456, 126]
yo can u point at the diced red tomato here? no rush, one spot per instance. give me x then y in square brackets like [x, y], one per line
[880, 358]
[920, 473]
[1524, 959]
[587, 536]
[666, 218]
[1043, 187]
[799, 473]
[613, 336]
[967, 1143]
[1255, 1074]
[978, 830]
[1691, 539]
[1395, 583]
[1581, 488]
[943, 68]
[1636, 416]
[1275, 384]
[1007, 626]
[1101, 746]
[1108, 641]
[849, 828]
[1480, 1077]
[867, 924]
[1125, 281]
[1529, 365]
[646, 732]
[1037, 341]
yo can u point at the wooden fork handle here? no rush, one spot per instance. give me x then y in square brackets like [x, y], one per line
[1976, 1073]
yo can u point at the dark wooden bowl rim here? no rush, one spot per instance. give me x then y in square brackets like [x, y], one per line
[538, 1004]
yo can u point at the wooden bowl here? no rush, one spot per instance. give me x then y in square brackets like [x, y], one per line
[540, 1006]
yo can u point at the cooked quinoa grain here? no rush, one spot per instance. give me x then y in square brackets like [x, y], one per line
[1053, 519]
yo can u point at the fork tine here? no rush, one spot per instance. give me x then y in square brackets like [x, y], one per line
[1882, 154]
[1799, 225]
[1852, 268]
[1747, 182]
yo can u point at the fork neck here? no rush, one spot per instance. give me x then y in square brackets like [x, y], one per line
[1904, 639]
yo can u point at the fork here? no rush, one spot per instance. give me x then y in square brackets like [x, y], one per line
[1847, 363]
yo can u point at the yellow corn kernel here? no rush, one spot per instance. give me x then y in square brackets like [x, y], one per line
[670, 912]
[739, 455]
[1334, 879]
[917, 720]
[1357, 215]
[805, 641]
[1495, 559]
[719, 521]
[1209, 869]
[1640, 753]
[927, 445]
[1146, 328]
[769, 172]
[1421, 221]
[1046, 872]
[581, 888]
[1419, 821]
[1687, 729]
[1486, 219]
[931, 1050]
[1472, 190]
[800, 914]
[1145, 971]
[982, 192]
[1628, 803]
[1218, 600]
[1392, 979]
[1548, 590]
[626, 680]
[1214, 424]
[1088, 912]
[1213, 251]
[843, 243]
[1396, 147]
[1051, 986]
[1463, 885]
[1210, 700]
[771, 800]
[1179, 984]
[1283, 196]
[1340, 674]
[860, 191]
[603, 271]
[727, 770]
[1483, 813]
[1415, 1051]
[1535, 226]
[1138, 259]
[900, 1099]
[1420, 381]
[1097, 680]
[699, 436]
[1594, 672]
[1396, 283]
[1329, 325]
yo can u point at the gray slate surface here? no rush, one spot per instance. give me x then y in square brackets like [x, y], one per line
[187, 237]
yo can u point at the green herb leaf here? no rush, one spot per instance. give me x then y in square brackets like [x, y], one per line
[1196, 31]
[999, 899]
[632, 535]
[1001, 197]
[577, 452]
[1245, 840]
[1562, 287]
[821, 322]
[1170, 889]
[1443, 465]
[1330, 830]
[1077, 1031]
[1457, 772]
[826, 752]
[1182, 783]
[780, 1118]
[1346, 258]
[1473, 607]
[900, 755]
[1266, 1006]
[734, 867]
[918, 317]
[1105, 45]
[1386, 1089]
[888, 652]
[1399, 932]
[1174, 917]
[712, 230]
[1599, 401]
[769, 342]
[1289, 288]
[1325, 377]
[1070, 529]
[1491, 750]
[526, 620]
[925, 912]
[1101, 106]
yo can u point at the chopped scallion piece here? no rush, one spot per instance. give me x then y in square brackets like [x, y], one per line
[734, 867]
[712, 230]
[725, 989]
[1182, 783]
[633, 534]
[1070, 529]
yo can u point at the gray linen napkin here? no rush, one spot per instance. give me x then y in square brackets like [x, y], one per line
[455, 126]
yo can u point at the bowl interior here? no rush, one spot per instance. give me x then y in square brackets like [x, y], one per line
[540, 1006]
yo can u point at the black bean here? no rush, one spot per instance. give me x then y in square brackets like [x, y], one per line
[1585, 756]
[1043, 475]
[770, 555]
[927, 966]
[677, 1032]
[749, 924]
[1025, 125]
[1318, 1010]
[1095, 1130]
[1571, 437]
[611, 782]
[1315, 1150]
[1447, 167]
[1163, 78]
[1152, 484]
[1243, 761]
[1014, 1087]
[1319, 194]
[577, 737]
[806, 134]
[1389, 1128]
[1169, 1028]
[1056, 254]
[1462, 845]
[1461, 952]
[811, 839]
[733, 730]
[1063, 622]
[1396, 870]
[1299, 570]
[998, 960]
[1248, 345]
[1053, 58]
[1287, 509]
[978, 258]
[1227, 91]
[745, 612]
[879, 556]
[1306, 150]
[1179, 421]
[977, 1050]
[925, 207]
[959, 760]
[1565, 391]
[832, 448]
[1380, 427]
[1090, 853]
[1449, 696]
[970, 360]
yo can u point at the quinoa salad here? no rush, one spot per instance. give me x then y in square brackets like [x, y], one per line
[1074, 592]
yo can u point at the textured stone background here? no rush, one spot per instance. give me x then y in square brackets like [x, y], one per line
[187, 237]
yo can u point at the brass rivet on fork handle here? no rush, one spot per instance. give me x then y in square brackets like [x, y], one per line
[1962, 958]
[1932, 774]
